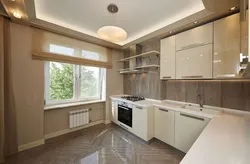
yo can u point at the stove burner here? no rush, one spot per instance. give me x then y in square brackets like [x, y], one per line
[133, 98]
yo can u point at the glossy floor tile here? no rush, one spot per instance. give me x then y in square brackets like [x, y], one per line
[98, 145]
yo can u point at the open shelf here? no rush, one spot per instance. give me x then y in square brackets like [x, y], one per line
[137, 69]
[143, 55]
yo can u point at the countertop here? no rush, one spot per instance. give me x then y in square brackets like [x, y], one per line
[225, 140]
[143, 103]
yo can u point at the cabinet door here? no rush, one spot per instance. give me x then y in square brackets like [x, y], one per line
[164, 125]
[114, 111]
[227, 47]
[194, 63]
[195, 37]
[168, 58]
[140, 122]
[187, 130]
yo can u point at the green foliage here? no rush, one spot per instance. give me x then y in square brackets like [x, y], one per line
[88, 83]
[62, 82]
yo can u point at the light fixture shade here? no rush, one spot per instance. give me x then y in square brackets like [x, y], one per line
[112, 33]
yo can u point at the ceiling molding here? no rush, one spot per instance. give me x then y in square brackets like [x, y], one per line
[37, 23]
[30, 8]
[222, 6]
[173, 27]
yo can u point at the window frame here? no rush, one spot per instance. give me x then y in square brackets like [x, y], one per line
[77, 83]
[76, 95]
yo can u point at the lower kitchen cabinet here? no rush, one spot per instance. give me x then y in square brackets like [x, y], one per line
[143, 122]
[164, 125]
[187, 130]
[114, 111]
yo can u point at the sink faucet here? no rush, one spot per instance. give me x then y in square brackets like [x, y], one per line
[201, 101]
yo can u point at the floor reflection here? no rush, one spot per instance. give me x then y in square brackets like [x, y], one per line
[101, 144]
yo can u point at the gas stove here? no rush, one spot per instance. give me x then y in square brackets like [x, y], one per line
[133, 98]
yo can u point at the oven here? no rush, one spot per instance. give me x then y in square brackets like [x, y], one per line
[125, 113]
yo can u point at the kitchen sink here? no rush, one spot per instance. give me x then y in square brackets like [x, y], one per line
[203, 110]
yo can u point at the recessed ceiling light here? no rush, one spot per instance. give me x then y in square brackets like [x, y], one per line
[17, 14]
[170, 32]
[196, 22]
[232, 8]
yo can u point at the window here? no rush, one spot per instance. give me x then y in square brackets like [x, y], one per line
[71, 83]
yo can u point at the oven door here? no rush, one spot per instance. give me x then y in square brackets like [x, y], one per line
[125, 115]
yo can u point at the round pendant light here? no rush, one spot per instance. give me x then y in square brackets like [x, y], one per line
[112, 33]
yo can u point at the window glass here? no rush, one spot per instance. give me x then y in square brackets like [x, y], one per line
[89, 82]
[90, 55]
[61, 50]
[61, 77]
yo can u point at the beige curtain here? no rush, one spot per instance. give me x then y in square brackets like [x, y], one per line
[42, 40]
[8, 133]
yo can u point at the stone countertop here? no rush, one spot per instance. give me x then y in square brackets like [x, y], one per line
[143, 103]
[225, 140]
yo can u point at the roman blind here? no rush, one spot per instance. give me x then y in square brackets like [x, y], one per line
[49, 46]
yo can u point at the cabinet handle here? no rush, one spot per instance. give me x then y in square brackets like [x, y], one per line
[192, 46]
[193, 117]
[164, 110]
[167, 77]
[138, 107]
[192, 76]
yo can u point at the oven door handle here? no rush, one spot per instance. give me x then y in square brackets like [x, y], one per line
[123, 107]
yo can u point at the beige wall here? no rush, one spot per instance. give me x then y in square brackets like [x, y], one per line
[114, 82]
[28, 82]
[56, 120]
[1, 92]
[33, 123]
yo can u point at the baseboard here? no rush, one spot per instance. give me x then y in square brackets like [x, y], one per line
[65, 131]
[31, 145]
[107, 122]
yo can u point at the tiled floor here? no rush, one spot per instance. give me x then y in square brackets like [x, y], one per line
[98, 145]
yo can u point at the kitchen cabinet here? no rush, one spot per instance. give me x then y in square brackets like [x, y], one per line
[195, 37]
[187, 130]
[167, 66]
[227, 47]
[164, 125]
[114, 111]
[143, 122]
[194, 63]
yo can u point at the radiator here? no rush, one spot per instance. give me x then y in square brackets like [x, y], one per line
[78, 118]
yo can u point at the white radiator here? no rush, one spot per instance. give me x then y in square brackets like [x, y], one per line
[78, 118]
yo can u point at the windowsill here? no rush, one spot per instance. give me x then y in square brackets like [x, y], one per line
[60, 106]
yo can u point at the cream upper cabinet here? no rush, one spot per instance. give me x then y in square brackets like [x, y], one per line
[226, 62]
[164, 125]
[195, 37]
[187, 130]
[194, 63]
[167, 68]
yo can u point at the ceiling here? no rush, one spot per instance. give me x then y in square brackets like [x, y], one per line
[137, 17]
